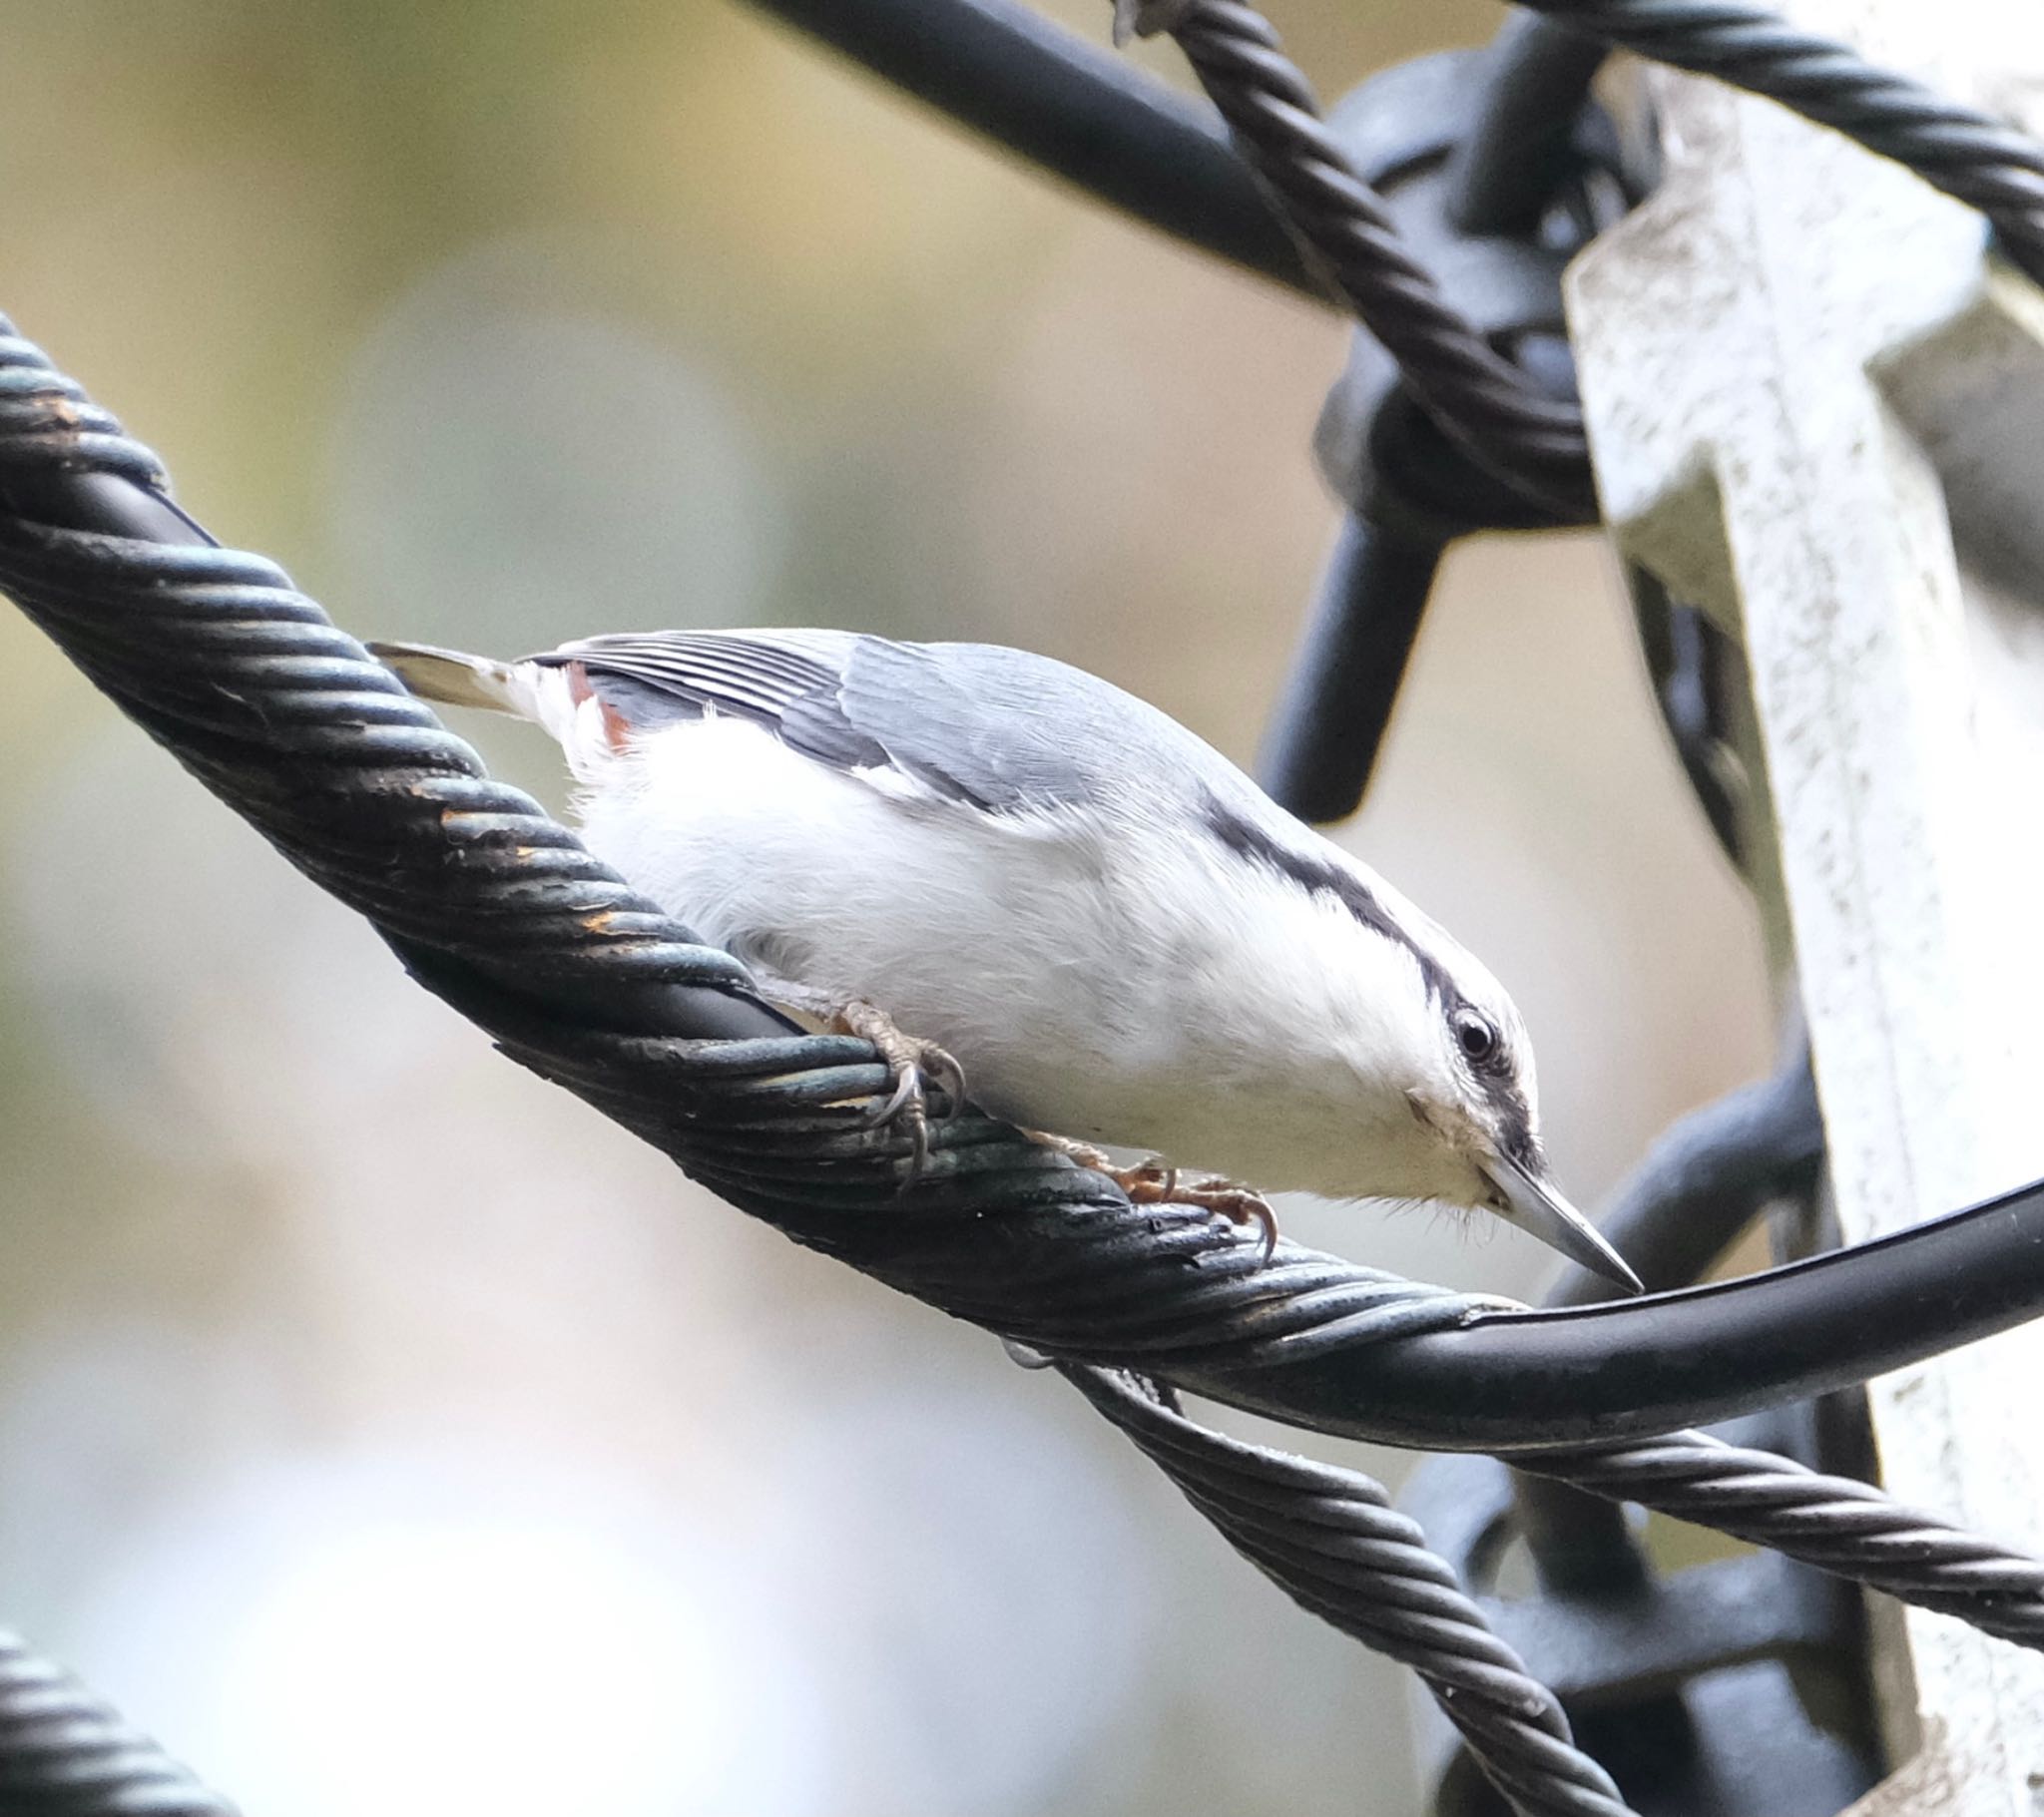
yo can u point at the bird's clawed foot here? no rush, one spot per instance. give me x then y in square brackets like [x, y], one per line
[916, 1066]
[1155, 1182]
[1155, 1185]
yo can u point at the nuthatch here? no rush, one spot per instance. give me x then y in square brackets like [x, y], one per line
[1058, 893]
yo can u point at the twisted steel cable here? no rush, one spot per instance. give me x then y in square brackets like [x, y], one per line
[1848, 1529]
[1982, 161]
[1487, 404]
[64, 1753]
[1330, 1540]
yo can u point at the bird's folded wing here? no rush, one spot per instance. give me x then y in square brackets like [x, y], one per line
[994, 729]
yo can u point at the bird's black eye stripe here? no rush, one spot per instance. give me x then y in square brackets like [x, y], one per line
[1478, 1038]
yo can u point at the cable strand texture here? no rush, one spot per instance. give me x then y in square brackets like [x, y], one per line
[1848, 1529]
[1479, 398]
[1330, 1540]
[1968, 155]
[1487, 404]
[64, 1753]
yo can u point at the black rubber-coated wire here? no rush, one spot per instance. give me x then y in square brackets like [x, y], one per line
[1328, 726]
[1072, 108]
[1695, 1191]
[1504, 177]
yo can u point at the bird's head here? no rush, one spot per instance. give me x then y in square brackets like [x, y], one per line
[1418, 1023]
[1473, 1091]
[1463, 1062]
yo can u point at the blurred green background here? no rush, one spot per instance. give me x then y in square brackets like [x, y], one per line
[384, 1430]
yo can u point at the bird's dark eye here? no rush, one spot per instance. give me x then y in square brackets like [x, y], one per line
[1477, 1037]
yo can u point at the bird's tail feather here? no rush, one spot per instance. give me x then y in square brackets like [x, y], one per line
[456, 678]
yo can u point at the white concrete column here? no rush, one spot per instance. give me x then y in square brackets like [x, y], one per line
[1816, 412]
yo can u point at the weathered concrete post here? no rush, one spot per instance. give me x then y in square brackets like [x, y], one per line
[1818, 413]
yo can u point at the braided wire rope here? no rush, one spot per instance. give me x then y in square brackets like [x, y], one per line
[1332, 1540]
[1980, 161]
[1487, 404]
[1848, 1529]
[65, 1754]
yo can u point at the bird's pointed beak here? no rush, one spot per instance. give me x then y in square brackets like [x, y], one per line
[1539, 1210]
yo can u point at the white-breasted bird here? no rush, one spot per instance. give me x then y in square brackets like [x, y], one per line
[990, 860]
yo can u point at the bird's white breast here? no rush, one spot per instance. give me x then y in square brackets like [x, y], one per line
[1098, 976]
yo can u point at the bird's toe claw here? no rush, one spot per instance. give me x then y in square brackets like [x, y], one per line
[916, 1064]
[908, 1088]
[1164, 1186]
[1242, 1207]
[916, 1117]
[1157, 1182]
[949, 1074]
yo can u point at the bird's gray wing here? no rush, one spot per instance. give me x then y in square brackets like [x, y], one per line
[786, 681]
[998, 729]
